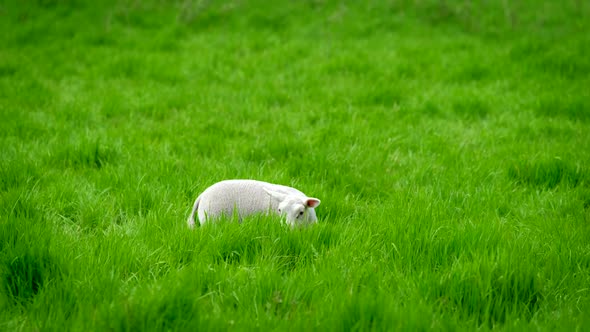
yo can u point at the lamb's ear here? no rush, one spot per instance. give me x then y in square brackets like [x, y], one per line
[275, 194]
[312, 202]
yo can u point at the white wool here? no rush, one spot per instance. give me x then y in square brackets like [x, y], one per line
[247, 197]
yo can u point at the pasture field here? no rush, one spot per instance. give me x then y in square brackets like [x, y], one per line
[449, 142]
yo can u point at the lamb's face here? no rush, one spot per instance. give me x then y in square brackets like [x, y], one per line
[297, 212]
[297, 209]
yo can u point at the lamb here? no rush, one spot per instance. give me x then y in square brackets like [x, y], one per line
[247, 197]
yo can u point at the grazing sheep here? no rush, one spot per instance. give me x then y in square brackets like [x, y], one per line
[246, 197]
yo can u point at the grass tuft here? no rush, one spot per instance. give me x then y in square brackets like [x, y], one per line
[24, 277]
[471, 108]
[572, 108]
[80, 155]
[548, 174]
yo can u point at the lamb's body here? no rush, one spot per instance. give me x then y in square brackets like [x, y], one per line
[247, 197]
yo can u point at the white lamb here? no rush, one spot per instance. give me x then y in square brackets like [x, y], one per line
[247, 197]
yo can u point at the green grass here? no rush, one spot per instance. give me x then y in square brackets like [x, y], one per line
[447, 140]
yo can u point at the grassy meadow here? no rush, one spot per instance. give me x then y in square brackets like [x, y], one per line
[449, 142]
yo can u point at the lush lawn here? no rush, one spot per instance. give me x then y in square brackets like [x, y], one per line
[449, 142]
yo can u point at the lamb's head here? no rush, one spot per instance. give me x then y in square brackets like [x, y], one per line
[296, 209]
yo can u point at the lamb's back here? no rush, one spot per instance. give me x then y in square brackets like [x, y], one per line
[248, 196]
